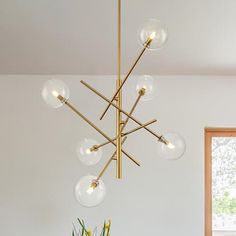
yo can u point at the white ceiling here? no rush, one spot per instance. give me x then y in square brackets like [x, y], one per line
[79, 36]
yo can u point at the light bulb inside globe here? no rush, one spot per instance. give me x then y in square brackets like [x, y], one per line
[55, 93]
[51, 91]
[90, 191]
[153, 35]
[92, 187]
[88, 152]
[171, 147]
[155, 31]
[146, 87]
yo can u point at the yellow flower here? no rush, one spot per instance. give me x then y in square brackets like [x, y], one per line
[89, 231]
[107, 226]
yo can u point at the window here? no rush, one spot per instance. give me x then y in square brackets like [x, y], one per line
[220, 182]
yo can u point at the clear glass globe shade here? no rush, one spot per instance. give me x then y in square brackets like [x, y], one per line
[88, 195]
[154, 29]
[147, 82]
[86, 155]
[175, 148]
[51, 89]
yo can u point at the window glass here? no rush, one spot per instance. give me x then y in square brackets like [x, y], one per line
[224, 186]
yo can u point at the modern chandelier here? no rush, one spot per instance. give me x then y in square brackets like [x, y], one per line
[90, 190]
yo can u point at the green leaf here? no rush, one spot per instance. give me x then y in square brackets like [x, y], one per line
[75, 233]
[108, 230]
[104, 229]
[83, 227]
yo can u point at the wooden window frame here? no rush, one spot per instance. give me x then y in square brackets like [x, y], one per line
[209, 134]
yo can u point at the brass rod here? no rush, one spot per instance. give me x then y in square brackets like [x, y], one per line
[119, 40]
[160, 137]
[62, 99]
[118, 134]
[123, 140]
[126, 121]
[141, 93]
[132, 110]
[146, 45]
[109, 162]
[139, 127]
[119, 101]
[105, 168]
[102, 144]
[96, 147]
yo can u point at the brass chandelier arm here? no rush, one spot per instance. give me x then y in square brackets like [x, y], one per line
[114, 154]
[62, 99]
[146, 45]
[96, 147]
[159, 137]
[141, 93]
[139, 127]
[104, 169]
[109, 162]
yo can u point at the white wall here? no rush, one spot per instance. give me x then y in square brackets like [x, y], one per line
[39, 167]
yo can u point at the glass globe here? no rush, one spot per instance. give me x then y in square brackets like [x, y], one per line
[89, 192]
[51, 89]
[174, 149]
[146, 82]
[153, 29]
[87, 152]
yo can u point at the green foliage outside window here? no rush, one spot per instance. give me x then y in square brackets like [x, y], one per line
[224, 205]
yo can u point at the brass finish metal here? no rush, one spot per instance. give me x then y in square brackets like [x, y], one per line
[116, 102]
[119, 43]
[119, 136]
[124, 123]
[109, 162]
[146, 45]
[119, 101]
[123, 140]
[94, 126]
[132, 110]
[163, 140]
[142, 91]
[96, 147]
[159, 137]
[139, 127]
[105, 168]
[94, 183]
[104, 144]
